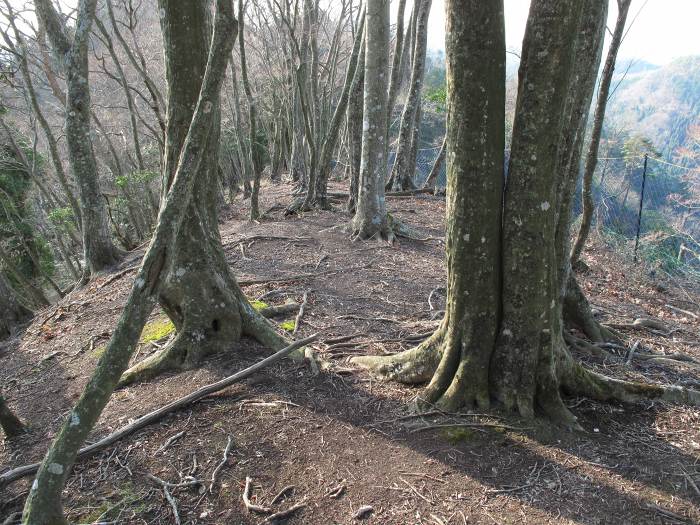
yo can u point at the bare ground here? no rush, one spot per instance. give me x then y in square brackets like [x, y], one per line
[342, 431]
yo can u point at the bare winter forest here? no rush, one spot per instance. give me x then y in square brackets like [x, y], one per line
[279, 261]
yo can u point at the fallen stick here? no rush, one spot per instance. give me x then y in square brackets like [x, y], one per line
[297, 277]
[215, 474]
[27, 470]
[284, 513]
[117, 276]
[281, 493]
[297, 321]
[681, 311]
[252, 507]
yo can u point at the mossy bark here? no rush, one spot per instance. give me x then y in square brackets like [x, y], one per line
[12, 312]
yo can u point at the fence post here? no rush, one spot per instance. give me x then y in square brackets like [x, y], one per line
[641, 206]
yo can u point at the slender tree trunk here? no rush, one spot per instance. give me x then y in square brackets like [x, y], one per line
[437, 166]
[402, 175]
[598, 119]
[318, 197]
[256, 148]
[399, 52]
[10, 423]
[100, 252]
[371, 218]
[354, 130]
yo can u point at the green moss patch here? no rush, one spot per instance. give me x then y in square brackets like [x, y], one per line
[258, 305]
[157, 330]
[287, 325]
[97, 352]
[457, 434]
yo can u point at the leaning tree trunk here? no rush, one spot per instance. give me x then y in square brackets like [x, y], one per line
[502, 335]
[431, 180]
[12, 312]
[100, 252]
[371, 218]
[402, 174]
[216, 308]
[598, 119]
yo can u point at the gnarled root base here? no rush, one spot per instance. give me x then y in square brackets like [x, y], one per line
[387, 231]
[188, 350]
[413, 366]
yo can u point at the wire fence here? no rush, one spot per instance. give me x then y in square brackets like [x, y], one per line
[668, 226]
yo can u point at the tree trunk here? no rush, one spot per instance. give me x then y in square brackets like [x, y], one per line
[437, 166]
[206, 304]
[401, 174]
[12, 312]
[318, 189]
[100, 252]
[256, 149]
[354, 125]
[10, 423]
[502, 334]
[598, 119]
[371, 218]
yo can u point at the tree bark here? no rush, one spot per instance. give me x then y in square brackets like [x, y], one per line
[100, 252]
[431, 181]
[354, 131]
[598, 119]
[10, 423]
[371, 218]
[401, 174]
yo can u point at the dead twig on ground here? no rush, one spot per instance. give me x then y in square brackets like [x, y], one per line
[415, 491]
[27, 470]
[215, 473]
[170, 441]
[297, 321]
[281, 494]
[285, 513]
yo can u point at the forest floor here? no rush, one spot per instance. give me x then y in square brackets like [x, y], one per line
[341, 439]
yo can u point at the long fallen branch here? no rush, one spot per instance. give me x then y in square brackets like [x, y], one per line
[27, 470]
[299, 276]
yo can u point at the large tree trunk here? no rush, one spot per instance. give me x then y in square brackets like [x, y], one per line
[206, 304]
[507, 259]
[12, 312]
[371, 219]
[100, 252]
[402, 173]
[623, 7]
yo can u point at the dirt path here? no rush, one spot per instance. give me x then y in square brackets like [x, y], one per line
[343, 440]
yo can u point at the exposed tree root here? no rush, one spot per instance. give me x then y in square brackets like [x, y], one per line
[190, 347]
[413, 366]
[577, 380]
[578, 312]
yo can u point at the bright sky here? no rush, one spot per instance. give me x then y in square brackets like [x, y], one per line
[664, 29]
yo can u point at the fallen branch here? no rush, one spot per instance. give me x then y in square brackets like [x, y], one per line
[156, 415]
[118, 276]
[274, 311]
[252, 507]
[215, 474]
[170, 441]
[681, 311]
[297, 277]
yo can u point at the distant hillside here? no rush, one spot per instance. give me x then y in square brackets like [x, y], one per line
[657, 102]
